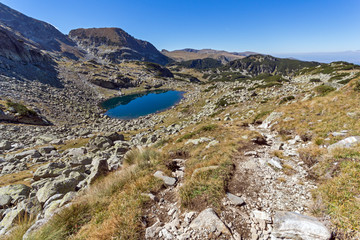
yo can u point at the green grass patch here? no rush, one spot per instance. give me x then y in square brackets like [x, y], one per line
[341, 196]
[286, 99]
[323, 90]
[21, 109]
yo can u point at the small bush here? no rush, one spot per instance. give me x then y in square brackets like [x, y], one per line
[21, 109]
[310, 156]
[323, 90]
[210, 88]
[209, 127]
[287, 99]
[222, 102]
[357, 86]
[315, 80]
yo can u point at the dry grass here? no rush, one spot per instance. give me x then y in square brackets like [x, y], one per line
[207, 187]
[323, 115]
[76, 143]
[311, 155]
[341, 197]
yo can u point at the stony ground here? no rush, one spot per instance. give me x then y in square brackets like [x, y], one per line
[48, 166]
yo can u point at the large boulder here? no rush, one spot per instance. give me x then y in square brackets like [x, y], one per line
[209, 220]
[32, 153]
[100, 142]
[62, 185]
[16, 192]
[100, 168]
[49, 170]
[290, 225]
[76, 152]
[115, 136]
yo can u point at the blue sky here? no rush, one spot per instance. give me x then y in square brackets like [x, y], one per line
[265, 26]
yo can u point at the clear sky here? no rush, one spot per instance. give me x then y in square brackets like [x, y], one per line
[265, 26]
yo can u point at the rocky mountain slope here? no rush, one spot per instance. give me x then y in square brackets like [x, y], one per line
[39, 33]
[115, 45]
[192, 54]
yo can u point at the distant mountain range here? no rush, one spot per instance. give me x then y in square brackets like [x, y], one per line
[192, 54]
[325, 57]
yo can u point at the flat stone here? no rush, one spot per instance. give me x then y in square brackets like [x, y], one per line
[346, 143]
[32, 153]
[170, 181]
[209, 220]
[198, 141]
[290, 225]
[275, 162]
[237, 201]
[47, 149]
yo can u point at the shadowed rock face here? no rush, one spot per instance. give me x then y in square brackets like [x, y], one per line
[114, 45]
[40, 33]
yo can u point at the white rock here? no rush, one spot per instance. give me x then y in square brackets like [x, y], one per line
[208, 219]
[290, 225]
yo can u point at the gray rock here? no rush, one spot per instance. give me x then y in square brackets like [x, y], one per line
[53, 198]
[10, 219]
[270, 119]
[153, 230]
[237, 201]
[77, 152]
[49, 170]
[34, 228]
[46, 149]
[16, 191]
[52, 208]
[346, 143]
[58, 186]
[5, 145]
[275, 162]
[67, 198]
[209, 220]
[32, 153]
[290, 225]
[115, 136]
[5, 200]
[170, 181]
[100, 168]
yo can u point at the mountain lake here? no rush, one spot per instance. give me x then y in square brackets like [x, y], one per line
[140, 104]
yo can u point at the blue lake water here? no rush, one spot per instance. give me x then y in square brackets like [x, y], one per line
[141, 104]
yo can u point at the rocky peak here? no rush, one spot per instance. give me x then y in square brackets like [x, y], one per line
[114, 45]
